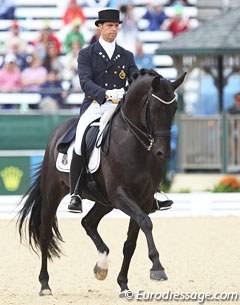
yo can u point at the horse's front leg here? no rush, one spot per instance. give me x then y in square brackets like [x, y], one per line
[131, 208]
[90, 223]
[128, 250]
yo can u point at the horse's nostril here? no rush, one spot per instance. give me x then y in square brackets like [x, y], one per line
[163, 155]
[159, 153]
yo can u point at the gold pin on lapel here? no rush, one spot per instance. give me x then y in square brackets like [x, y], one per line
[122, 74]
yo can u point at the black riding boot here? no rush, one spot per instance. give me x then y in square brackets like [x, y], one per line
[76, 171]
[159, 205]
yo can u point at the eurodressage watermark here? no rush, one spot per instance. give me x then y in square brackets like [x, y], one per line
[198, 297]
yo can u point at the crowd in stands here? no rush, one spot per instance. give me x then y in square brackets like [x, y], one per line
[48, 64]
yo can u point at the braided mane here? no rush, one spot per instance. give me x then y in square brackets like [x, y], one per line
[143, 72]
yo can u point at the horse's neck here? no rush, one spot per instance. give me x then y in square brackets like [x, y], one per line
[134, 103]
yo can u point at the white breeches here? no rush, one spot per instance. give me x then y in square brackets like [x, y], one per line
[93, 112]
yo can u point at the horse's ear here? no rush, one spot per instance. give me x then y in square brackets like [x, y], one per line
[156, 83]
[179, 81]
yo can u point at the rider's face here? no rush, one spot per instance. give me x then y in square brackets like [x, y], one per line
[109, 30]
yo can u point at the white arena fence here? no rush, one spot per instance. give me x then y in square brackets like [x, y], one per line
[185, 205]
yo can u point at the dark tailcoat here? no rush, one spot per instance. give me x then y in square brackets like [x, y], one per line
[98, 73]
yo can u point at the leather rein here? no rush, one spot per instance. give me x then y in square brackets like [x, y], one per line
[150, 134]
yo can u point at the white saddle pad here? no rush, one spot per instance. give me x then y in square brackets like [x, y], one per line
[64, 161]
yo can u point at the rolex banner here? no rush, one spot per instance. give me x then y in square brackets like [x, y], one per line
[14, 175]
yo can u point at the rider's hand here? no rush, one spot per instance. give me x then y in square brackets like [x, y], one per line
[120, 93]
[112, 94]
[115, 94]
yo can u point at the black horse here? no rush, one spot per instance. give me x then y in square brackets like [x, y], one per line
[129, 175]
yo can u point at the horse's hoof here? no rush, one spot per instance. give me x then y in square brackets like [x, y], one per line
[158, 275]
[100, 274]
[127, 294]
[45, 292]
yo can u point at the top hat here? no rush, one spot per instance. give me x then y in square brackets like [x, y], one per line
[108, 16]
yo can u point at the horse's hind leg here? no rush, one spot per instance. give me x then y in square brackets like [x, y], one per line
[128, 250]
[53, 193]
[90, 223]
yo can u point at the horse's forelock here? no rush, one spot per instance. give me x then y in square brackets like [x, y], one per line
[143, 72]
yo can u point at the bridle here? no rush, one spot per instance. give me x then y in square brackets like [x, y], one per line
[165, 102]
[150, 135]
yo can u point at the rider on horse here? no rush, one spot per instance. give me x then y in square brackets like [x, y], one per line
[104, 68]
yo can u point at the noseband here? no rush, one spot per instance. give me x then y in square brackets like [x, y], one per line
[149, 135]
[165, 102]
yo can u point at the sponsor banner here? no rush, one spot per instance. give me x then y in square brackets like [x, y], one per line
[14, 175]
[17, 173]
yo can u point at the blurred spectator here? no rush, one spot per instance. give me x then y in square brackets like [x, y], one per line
[72, 12]
[52, 36]
[177, 24]
[41, 43]
[155, 16]
[52, 93]
[46, 36]
[34, 75]
[73, 35]
[21, 58]
[52, 60]
[14, 37]
[10, 75]
[142, 60]
[129, 29]
[7, 9]
[235, 109]
[95, 36]
[71, 66]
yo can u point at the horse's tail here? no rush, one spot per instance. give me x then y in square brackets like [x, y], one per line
[32, 207]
